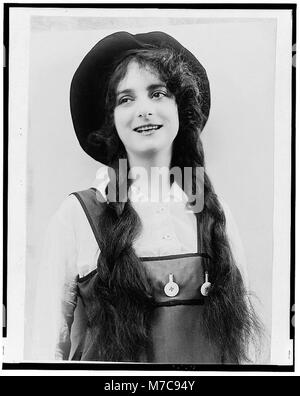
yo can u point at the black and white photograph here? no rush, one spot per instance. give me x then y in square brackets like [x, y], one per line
[150, 188]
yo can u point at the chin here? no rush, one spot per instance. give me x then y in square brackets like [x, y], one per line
[152, 149]
[153, 146]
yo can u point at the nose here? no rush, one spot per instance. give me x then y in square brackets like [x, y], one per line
[144, 114]
[145, 108]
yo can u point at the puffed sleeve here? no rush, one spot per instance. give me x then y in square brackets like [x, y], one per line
[56, 297]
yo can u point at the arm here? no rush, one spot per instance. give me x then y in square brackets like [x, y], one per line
[56, 287]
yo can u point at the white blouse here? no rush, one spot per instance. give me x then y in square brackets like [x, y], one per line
[70, 249]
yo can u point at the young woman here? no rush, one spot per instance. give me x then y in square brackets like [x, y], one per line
[146, 265]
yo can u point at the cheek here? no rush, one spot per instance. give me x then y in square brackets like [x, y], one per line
[117, 119]
[120, 122]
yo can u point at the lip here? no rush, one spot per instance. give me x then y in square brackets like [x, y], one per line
[148, 125]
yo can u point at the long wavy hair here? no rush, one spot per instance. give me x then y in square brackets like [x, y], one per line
[121, 304]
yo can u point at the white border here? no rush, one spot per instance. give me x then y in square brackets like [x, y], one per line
[17, 205]
[19, 39]
[282, 197]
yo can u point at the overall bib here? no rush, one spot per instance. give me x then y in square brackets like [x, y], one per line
[177, 323]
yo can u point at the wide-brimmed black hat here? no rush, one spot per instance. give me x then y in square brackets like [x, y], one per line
[89, 83]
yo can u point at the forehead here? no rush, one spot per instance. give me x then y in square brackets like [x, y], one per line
[138, 76]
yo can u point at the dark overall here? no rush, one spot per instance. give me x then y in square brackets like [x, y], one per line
[177, 326]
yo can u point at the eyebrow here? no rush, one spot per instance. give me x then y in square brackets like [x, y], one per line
[149, 88]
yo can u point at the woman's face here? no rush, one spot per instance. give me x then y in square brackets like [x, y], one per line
[146, 115]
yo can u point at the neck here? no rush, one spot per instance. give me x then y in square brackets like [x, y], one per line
[151, 160]
[151, 174]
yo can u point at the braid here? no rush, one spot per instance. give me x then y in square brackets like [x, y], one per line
[229, 318]
[121, 302]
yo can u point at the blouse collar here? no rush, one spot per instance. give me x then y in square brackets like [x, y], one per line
[175, 194]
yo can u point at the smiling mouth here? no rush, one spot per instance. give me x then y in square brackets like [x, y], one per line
[147, 128]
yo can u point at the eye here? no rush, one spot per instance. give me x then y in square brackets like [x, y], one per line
[124, 100]
[159, 94]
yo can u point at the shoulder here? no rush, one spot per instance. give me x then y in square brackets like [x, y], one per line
[67, 211]
[71, 214]
[78, 216]
[69, 234]
[78, 201]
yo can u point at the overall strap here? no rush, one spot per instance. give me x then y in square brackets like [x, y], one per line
[200, 246]
[93, 204]
[199, 235]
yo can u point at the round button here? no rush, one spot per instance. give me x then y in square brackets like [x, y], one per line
[205, 288]
[171, 289]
